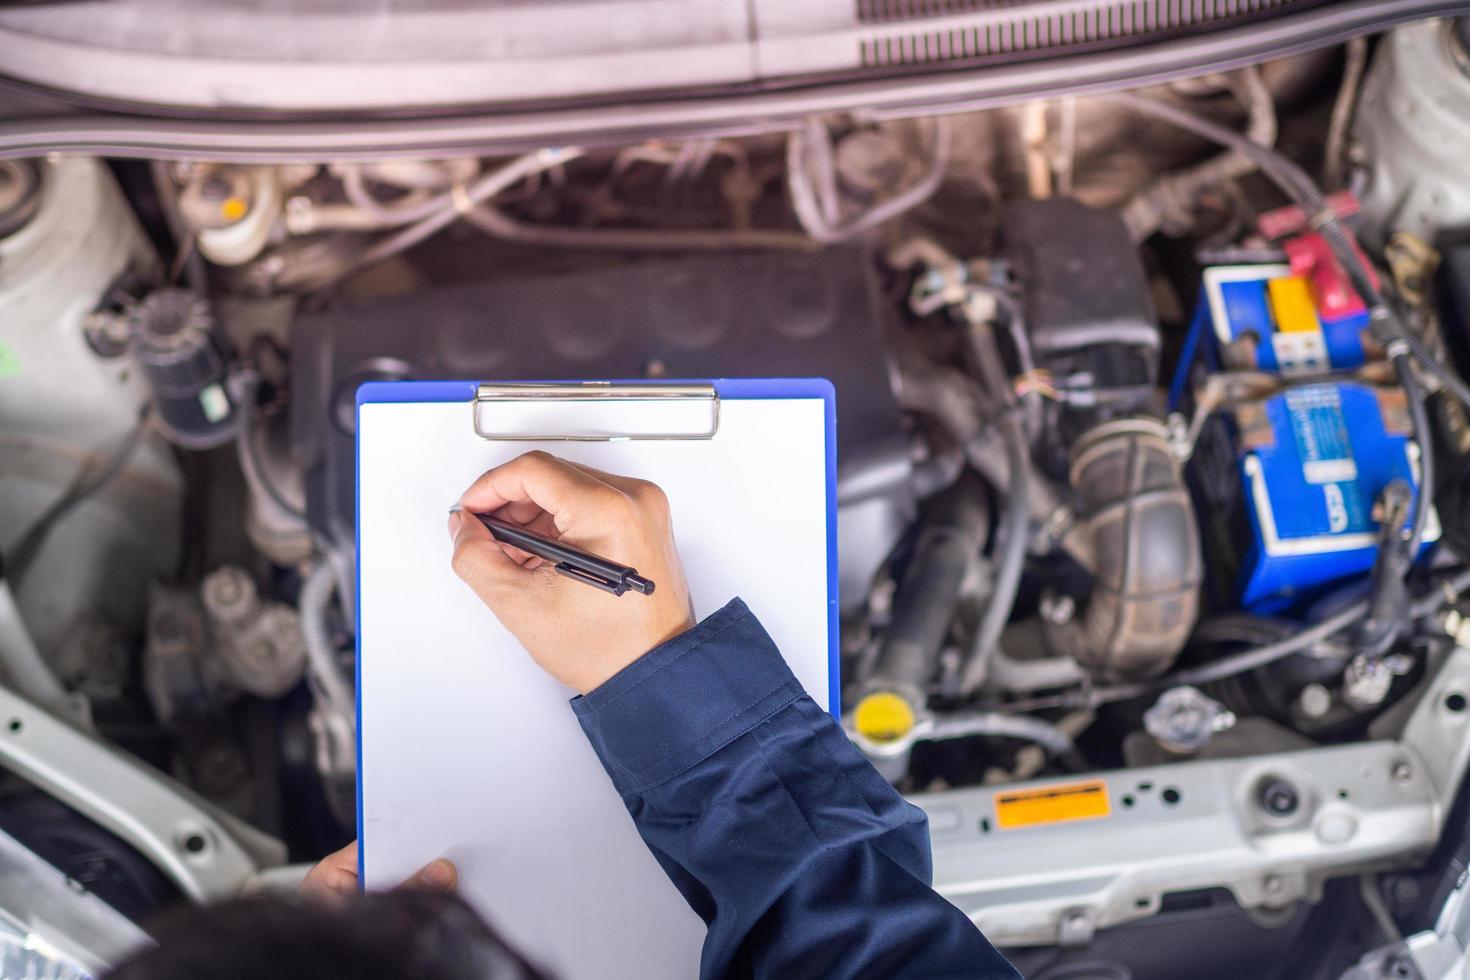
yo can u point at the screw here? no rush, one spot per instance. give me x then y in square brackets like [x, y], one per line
[1279, 798]
[1405, 891]
[1275, 884]
[1403, 773]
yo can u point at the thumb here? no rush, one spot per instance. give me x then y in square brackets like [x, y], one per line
[479, 560]
[437, 875]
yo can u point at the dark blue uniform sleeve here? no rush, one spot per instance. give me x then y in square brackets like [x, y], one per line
[799, 857]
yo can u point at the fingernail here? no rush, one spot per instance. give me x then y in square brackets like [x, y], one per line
[440, 874]
[454, 519]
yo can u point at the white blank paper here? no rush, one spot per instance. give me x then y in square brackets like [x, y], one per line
[469, 751]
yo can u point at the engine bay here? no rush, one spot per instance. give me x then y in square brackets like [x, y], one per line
[1151, 437]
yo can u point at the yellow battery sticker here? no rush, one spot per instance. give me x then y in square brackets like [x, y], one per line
[1291, 301]
[1051, 804]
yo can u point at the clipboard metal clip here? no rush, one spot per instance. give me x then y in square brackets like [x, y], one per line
[538, 411]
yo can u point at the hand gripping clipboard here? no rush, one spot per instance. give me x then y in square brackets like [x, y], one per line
[465, 748]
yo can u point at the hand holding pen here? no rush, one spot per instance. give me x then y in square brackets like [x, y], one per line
[581, 636]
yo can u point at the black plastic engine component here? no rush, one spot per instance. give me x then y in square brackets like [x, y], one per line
[1089, 317]
[778, 314]
[97, 860]
[1137, 526]
[948, 544]
[184, 359]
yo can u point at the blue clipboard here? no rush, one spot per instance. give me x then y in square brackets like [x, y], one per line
[471, 394]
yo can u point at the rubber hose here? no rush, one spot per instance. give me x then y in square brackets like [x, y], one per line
[1138, 520]
[925, 602]
[1028, 728]
[1015, 527]
[321, 655]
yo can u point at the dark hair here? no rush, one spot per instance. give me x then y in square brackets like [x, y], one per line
[392, 936]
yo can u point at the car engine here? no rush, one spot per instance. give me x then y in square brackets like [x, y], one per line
[1152, 445]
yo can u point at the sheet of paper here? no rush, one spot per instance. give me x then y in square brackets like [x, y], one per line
[469, 751]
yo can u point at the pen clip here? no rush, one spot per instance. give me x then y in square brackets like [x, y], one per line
[582, 575]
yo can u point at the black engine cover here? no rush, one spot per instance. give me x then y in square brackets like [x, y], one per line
[779, 314]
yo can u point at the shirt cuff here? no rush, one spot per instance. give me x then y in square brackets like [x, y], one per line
[686, 699]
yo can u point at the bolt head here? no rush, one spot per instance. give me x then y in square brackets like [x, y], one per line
[1279, 798]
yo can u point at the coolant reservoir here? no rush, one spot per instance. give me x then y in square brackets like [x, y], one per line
[66, 234]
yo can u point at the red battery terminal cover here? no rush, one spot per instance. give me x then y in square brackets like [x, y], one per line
[1312, 259]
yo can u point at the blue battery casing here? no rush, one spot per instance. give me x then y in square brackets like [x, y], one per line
[1236, 300]
[1314, 461]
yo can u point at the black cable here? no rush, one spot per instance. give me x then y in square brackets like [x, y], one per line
[87, 482]
[1424, 499]
[1443, 592]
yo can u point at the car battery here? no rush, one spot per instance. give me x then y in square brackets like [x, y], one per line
[1269, 318]
[1315, 460]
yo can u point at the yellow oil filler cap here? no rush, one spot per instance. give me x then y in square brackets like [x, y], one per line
[883, 717]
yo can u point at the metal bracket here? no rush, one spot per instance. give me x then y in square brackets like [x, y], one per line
[656, 398]
[1203, 824]
[207, 853]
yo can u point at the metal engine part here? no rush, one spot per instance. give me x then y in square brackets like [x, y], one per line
[1183, 719]
[175, 342]
[179, 676]
[66, 409]
[204, 647]
[1271, 828]
[1413, 128]
[1136, 525]
[722, 315]
[261, 643]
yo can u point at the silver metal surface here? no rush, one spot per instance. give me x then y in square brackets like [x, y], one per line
[596, 391]
[1364, 806]
[63, 409]
[1413, 128]
[741, 112]
[206, 853]
[1441, 953]
[42, 912]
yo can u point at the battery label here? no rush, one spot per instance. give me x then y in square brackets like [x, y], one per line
[1052, 804]
[1322, 439]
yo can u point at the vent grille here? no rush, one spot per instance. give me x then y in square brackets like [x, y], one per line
[1030, 27]
[886, 11]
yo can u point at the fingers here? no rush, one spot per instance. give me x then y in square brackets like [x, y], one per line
[569, 494]
[641, 492]
[437, 875]
[334, 877]
[479, 560]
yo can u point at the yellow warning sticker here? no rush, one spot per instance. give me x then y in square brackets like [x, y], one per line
[1051, 804]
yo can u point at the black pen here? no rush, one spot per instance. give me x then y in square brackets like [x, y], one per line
[609, 576]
